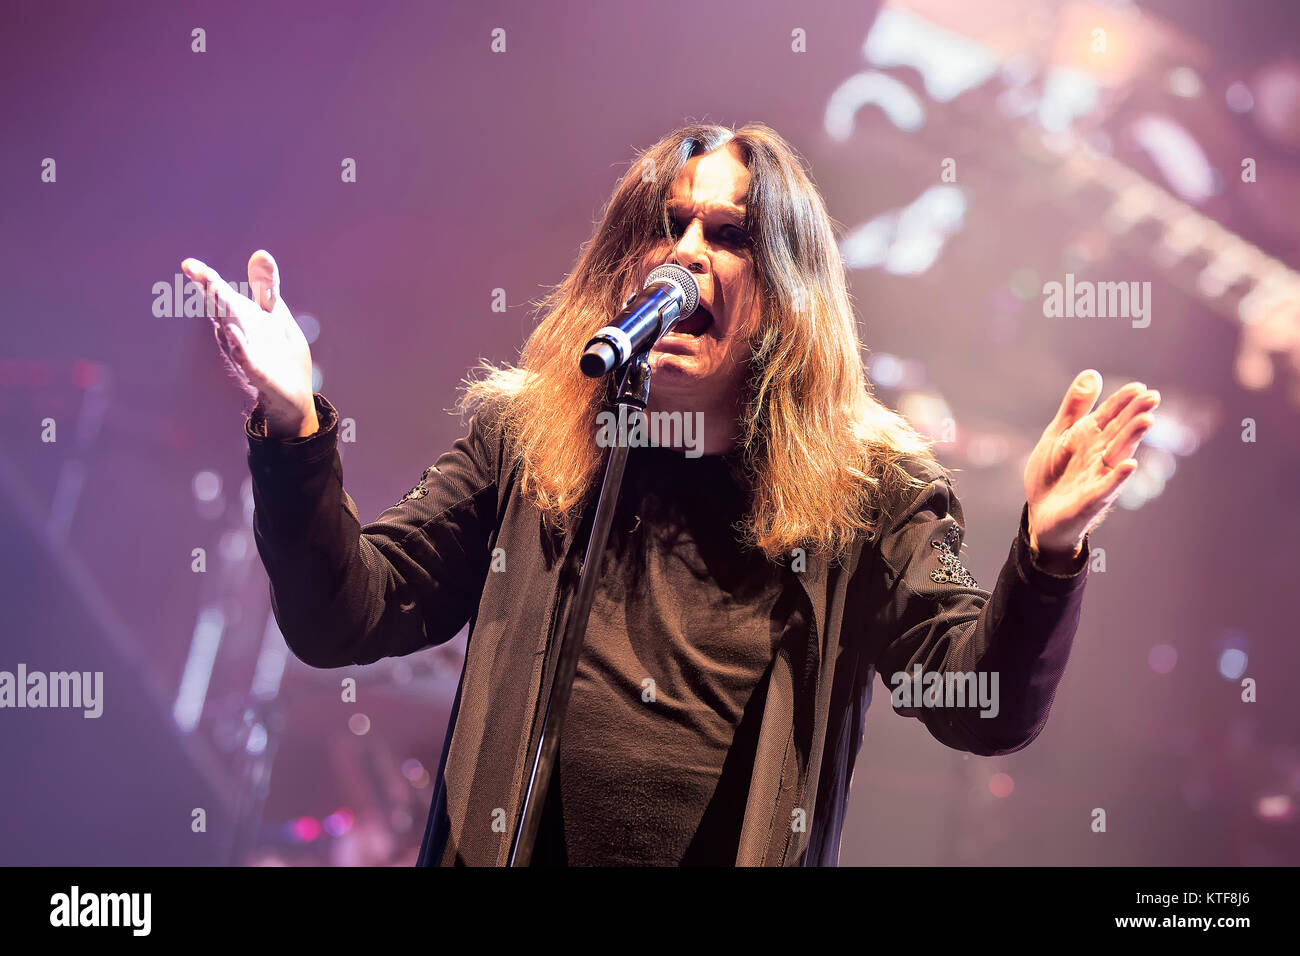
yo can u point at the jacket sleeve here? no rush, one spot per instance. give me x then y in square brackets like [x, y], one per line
[346, 594]
[1015, 638]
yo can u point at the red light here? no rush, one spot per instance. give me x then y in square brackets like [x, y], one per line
[1001, 785]
[306, 829]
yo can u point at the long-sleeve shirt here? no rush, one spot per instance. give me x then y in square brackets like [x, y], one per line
[466, 546]
[658, 742]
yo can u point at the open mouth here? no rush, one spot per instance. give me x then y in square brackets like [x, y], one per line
[695, 324]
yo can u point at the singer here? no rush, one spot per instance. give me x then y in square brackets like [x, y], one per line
[748, 595]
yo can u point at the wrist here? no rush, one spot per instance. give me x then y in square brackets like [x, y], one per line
[294, 423]
[1058, 559]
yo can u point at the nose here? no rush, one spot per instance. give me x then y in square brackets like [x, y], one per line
[689, 251]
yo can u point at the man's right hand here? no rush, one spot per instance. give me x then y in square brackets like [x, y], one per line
[263, 345]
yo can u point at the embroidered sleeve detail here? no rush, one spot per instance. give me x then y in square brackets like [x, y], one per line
[419, 491]
[952, 571]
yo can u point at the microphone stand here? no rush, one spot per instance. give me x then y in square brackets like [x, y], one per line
[633, 395]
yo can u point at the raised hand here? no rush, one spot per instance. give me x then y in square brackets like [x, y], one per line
[262, 343]
[1076, 470]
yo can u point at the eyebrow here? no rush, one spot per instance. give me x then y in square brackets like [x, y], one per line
[736, 212]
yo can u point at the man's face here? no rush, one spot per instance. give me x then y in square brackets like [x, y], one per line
[700, 364]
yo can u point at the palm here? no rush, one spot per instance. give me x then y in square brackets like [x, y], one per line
[265, 348]
[1080, 464]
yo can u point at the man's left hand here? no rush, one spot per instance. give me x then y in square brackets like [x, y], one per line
[1083, 459]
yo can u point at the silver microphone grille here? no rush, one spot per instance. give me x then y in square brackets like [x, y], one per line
[682, 280]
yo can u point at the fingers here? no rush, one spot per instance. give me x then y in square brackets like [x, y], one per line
[1118, 409]
[1122, 447]
[1078, 400]
[220, 300]
[264, 280]
[1112, 406]
[193, 268]
[1111, 481]
[1142, 402]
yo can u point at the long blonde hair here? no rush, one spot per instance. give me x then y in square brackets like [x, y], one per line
[822, 452]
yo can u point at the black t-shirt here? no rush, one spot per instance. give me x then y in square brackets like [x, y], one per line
[658, 744]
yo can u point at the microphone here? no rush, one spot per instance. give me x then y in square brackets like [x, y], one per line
[670, 295]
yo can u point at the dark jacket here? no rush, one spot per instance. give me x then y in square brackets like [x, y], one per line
[346, 594]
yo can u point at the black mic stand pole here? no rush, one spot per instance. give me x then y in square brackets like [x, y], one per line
[633, 396]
